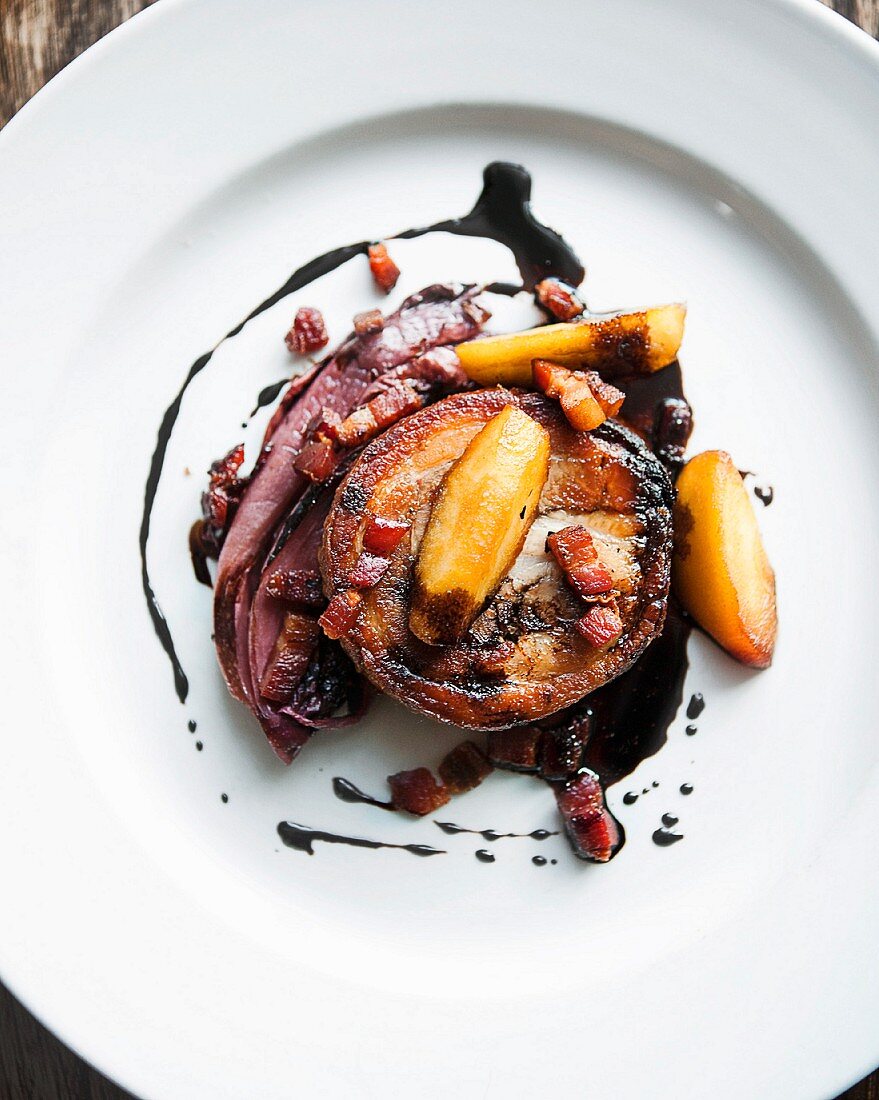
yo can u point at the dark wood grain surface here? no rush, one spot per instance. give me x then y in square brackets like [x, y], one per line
[37, 38]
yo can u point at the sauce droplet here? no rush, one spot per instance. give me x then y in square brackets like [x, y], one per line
[766, 495]
[484, 856]
[539, 861]
[665, 839]
[224, 797]
[191, 725]
[199, 745]
[696, 705]
[686, 788]
[630, 798]
[691, 731]
[668, 820]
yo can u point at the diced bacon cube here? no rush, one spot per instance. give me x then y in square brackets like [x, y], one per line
[574, 550]
[316, 460]
[593, 831]
[384, 270]
[417, 792]
[369, 321]
[341, 614]
[308, 332]
[600, 626]
[464, 767]
[383, 536]
[559, 299]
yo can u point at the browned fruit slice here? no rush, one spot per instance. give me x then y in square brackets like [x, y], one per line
[720, 570]
[478, 523]
[624, 343]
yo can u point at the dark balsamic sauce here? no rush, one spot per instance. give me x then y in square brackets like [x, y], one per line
[634, 712]
[645, 392]
[691, 731]
[695, 706]
[630, 798]
[303, 839]
[267, 396]
[199, 746]
[765, 496]
[668, 820]
[224, 798]
[347, 792]
[450, 828]
[539, 861]
[686, 788]
[484, 856]
[502, 213]
[192, 725]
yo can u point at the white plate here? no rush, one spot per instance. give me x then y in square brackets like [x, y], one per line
[164, 184]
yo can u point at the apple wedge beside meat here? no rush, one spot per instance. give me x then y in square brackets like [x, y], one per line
[720, 570]
[612, 344]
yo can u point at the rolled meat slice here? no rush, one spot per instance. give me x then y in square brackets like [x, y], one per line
[526, 655]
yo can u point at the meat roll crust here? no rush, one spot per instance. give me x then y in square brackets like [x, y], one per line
[522, 659]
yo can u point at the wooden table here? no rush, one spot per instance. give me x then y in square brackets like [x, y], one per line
[37, 38]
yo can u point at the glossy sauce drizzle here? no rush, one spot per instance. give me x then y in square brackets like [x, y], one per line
[303, 839]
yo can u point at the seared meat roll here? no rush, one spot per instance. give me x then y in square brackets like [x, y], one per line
[582, 590]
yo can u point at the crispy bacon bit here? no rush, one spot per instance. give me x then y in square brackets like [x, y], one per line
[368, 570]
[383, 536]
[341, 614]
[464, 767]
[515, 749]
[293, 649]
[672, 426]
[586, 399]
[561, 747]
[369, 321]
[593, 831]
[417, 792]
[220, 502]
[384, 270]
[384, 409]
[308, 332]
[575, 552]
[316, 460]
[299, 586]
[559, 299]
[600, 626]
[326, 426]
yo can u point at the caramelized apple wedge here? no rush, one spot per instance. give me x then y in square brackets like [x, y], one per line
[720, 570]
[613, 344]
[478, 523]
